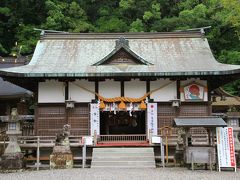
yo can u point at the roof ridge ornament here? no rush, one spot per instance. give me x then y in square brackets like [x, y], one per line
[43, 31]
[200, 29]
[122, 41]
[122, 48]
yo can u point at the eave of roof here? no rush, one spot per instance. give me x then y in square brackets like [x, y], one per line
[123, 74]
[199, 122]
[9, 90]
[229, 101]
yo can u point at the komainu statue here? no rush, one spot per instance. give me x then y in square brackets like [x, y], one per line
[61, 156]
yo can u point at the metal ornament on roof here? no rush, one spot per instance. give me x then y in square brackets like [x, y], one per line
[122, 46]
[121, 42]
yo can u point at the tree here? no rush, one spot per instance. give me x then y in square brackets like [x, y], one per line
[18, 18]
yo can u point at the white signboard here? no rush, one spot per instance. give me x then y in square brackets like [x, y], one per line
[88, 140]
[225, 147]
[156, 140]
[95, 119]
[152, 118]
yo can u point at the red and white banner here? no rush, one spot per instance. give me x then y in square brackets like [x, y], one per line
[225, 147]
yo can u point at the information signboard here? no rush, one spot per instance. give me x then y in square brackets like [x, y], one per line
[225, 148]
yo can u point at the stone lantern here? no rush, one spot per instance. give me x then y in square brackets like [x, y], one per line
[13, 157]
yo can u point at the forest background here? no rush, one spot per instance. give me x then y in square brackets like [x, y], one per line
[18, 18]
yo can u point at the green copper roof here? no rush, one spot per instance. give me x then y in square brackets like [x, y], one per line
[163, 54]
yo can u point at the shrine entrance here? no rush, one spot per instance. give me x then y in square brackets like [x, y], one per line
[122, 123]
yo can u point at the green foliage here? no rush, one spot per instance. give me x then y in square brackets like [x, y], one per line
[137, 26]
[66, 17]
[230, 57]
[5, 11]
[111, 24]
[231, 14]
[126, 4]
[27, 39]
[18, 18]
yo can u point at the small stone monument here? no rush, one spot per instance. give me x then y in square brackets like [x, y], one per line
[61, 157]
[13, 157]
[179, 147]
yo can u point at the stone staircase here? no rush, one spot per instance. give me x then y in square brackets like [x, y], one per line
[123, 157]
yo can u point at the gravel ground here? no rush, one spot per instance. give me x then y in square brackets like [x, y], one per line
[122, 174]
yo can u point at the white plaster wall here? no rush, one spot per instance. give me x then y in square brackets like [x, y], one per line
[166, 93]
[78, 94]
[51, 91]
[134, 88]
[109, 88]
[192, 80]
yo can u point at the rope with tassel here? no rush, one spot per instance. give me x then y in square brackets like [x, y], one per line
[122, 99]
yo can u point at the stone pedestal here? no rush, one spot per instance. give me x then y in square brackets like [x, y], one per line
[61, 158]
[12, 161]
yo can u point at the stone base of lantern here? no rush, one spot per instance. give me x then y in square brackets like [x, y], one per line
[12, 161]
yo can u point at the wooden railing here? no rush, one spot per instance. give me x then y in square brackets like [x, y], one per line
[197, 139]
[234, 114]
[122, 138]
[37, 142]
[46, 141]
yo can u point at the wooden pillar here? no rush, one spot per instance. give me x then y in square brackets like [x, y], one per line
[96, 89]
[178, 89]
[66, 90]
[66, 98]
[38, 152]
[148, 87]
[186, 137]
[177, 110]
[209, 136]
[122, 88]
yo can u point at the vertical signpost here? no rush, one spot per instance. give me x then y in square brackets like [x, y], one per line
[225, 148]
[158, 140]
[152, 119]
[95, 119]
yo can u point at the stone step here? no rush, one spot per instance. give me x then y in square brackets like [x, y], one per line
[125, 167]
[123, 157]
[122, 154]
[122, 163]
[129, 150]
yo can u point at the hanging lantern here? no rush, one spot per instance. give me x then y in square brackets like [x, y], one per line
[143, 105]
[102, 105]
[122, 105]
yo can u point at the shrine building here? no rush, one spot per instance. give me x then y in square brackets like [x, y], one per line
[120, 83]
